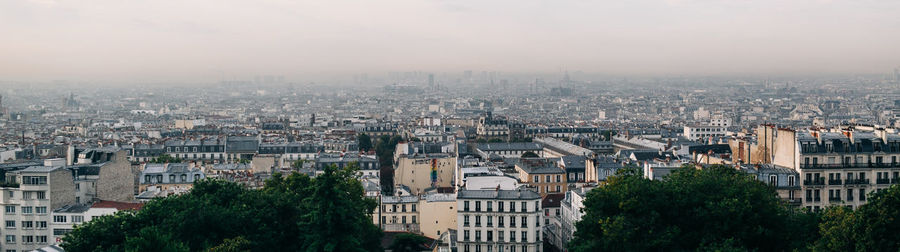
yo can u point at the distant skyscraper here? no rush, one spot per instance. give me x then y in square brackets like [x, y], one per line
[431, 81]
[896, 74]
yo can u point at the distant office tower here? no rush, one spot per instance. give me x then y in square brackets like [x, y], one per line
[431, 81]
[312, 120]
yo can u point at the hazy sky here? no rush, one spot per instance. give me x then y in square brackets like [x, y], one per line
[202, 39]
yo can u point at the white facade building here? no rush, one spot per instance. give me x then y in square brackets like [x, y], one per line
[499, 220]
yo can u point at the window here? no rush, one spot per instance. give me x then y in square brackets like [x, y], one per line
[77, 187]
[524, 206]
[59, 218]
[500, 221]
[546, 178]
[490, 206]
[465, 235]
[10, 209]
[477, 221]
[40, 210]
[10, 194]
[524, 236]
[42, 239]
[27, 239]
[27, 210]
[77, 218]
[558, 178]
[34, 180]
[512, 206]
[537, 179]
[465, 220]
[477, 206]
[512, 221]
[10, 239]
[10, 224]
[27, 225]
[41, 195]
[791, 180]
[773, 179]
[490, 221]
[477, 235]
[27, 195]
[465, 206]
[171, 178]
[500, 206]
[403, 219]
[403, 208]
[196, 177]
[490, 235]
[512, 236]
[413, 219]
[524, 221]
[41, 224]
[413, 207]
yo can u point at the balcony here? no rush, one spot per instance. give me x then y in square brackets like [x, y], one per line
[819, 181]
[834, 182]
[849, 165]
[834, 199]
[882, 181]
[895, 181]
[857, 181]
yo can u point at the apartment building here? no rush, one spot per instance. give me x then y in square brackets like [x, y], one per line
[702, 132]
[499, 220]
[542, 175]
[28, 197]
[842, 168]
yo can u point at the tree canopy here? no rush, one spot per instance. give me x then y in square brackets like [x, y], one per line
[408, 242]
[291, 213]
[365, 142]
[165, 158]
[715, 209]
[873, 226]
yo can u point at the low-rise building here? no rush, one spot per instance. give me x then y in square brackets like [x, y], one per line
[542, 175]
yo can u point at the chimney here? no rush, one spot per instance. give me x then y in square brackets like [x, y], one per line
[70, 155]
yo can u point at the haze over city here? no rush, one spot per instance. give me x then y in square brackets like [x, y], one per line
[207, 40]
[449, 125]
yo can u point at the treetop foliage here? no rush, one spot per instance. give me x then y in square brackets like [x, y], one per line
[291, 213]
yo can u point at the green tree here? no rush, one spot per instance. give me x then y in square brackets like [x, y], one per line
[384, 150]
[717, 208]
[871, 227]
[408, 242]
[237, 244]
[291, 213]
[165, 158]
[365, 142]
[298, 163]
[152, 239]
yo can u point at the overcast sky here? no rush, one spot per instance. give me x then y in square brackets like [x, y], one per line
[197, 39]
